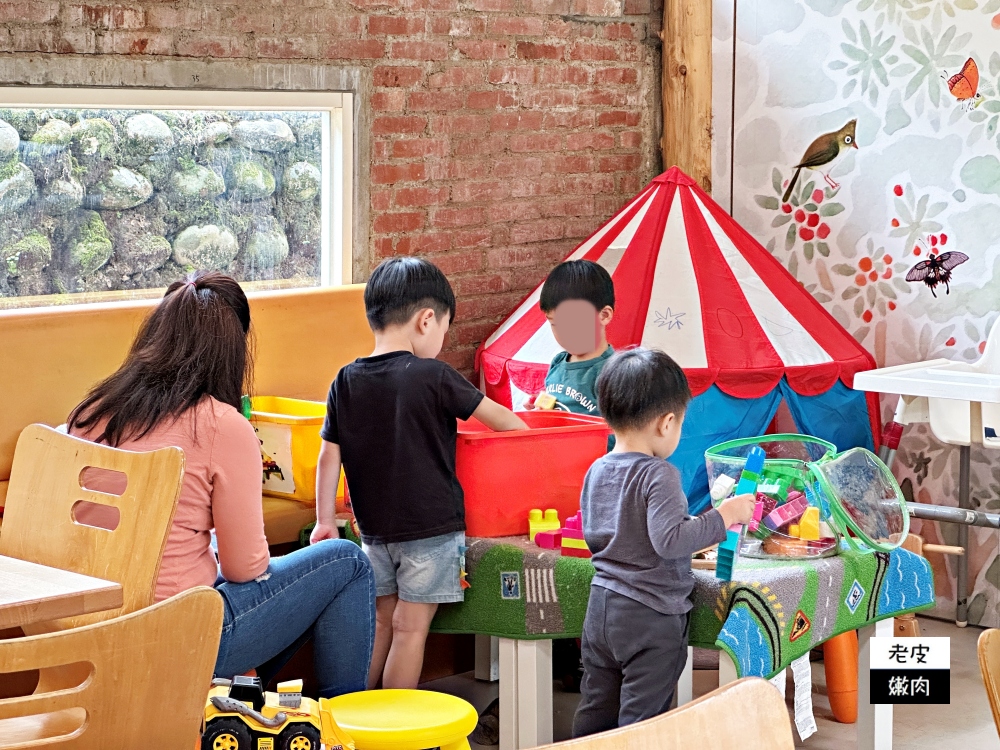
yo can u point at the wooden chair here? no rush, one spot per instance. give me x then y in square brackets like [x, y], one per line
[749, 714]
[989, 665]
[46, 485]
[147, 675]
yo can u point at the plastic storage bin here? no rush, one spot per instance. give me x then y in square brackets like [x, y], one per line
[288, 430]
[506, 474]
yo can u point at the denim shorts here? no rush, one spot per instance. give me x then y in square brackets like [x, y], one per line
[424, 570]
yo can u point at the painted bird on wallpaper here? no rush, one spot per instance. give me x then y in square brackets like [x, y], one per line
[964, 85]
[823, 152]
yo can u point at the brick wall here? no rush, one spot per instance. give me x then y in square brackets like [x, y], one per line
[504, 131]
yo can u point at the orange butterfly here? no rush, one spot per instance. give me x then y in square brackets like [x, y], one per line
[964, 85]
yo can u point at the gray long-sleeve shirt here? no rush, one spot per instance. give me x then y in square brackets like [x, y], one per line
[636, 523]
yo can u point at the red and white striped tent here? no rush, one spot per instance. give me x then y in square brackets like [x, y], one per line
[691, 281]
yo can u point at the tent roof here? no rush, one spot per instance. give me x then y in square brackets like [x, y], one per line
[691, 281]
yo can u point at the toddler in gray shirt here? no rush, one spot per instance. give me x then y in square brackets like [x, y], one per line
[636, 524]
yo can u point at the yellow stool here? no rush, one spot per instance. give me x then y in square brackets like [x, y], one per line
[403, 719]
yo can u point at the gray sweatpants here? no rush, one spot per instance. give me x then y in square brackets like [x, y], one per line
[632, 659]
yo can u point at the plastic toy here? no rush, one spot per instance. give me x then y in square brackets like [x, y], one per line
[790, 511]
[749, 478]
[536, 522]
[758, 512]
[545, 401]
[239, 715]
[809, 524]
[549, 539]
[573, 544]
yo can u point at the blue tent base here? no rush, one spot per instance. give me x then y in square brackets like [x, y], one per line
[839, 416]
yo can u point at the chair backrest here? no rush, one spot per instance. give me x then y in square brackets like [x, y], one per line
[147, 675]
[749, 714]
[989, 665]
[39, 525]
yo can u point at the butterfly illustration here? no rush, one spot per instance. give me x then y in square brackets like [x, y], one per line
[937, 270]
[964, 85]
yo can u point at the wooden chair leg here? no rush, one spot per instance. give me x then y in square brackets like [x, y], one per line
[906, 626]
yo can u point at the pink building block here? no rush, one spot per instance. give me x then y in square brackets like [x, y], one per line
[549, 539]
[574, 527]
[790, 511]
[758, 511]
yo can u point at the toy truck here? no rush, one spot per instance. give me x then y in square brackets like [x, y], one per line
[239, 715]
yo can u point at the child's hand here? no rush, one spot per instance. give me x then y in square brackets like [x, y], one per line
[323, 531]
[738, 509]
[529, 402]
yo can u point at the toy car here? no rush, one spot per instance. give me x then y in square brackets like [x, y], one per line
[239, 715]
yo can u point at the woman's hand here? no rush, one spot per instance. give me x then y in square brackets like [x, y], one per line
[323, 531]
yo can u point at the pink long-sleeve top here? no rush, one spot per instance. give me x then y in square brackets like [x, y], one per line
[221, 490]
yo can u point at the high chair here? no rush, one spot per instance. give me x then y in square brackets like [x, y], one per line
[403, 719]
[143, 683]
[46, 493]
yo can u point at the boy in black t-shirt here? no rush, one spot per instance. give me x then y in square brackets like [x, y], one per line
[391, 420]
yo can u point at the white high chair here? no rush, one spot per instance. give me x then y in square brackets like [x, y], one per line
[961, 402]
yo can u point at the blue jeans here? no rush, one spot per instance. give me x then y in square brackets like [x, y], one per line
[325, 592]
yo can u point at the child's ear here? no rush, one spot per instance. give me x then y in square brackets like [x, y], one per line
[424, 319]
[665, 423]
[606, 314]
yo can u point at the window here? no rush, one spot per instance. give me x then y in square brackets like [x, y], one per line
[114, 193]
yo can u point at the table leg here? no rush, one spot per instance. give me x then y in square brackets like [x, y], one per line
[685, 685]
[487, 658]
[727, 669]
[508, 694]
[525, 693]
[874, 726]
[962, 584]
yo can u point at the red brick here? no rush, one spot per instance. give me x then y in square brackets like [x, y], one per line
[517, 166]
[28, 12]
[630, 139]
[381, 149]
[578, 205]
[520, 120]
[429, 101]
[396, 25]
[170, 17]
[588, 184]
[398, 124]
[515, 74]
[582, 227]
[637, 7]
[475, 332]
[320, 22]
[618, 118]
[472, 238]
[491, 6]
[243, 23]
[601, 98]
[460, 124]
[483, 50]
[538, 231]
[419, 51]
[546, 7]
[460, 26]
[381, 200]
[493, 305]
[102, 16]
[399, 222]
[387, 174]
[466, 169]
[616, 75]
[533, 51]
[355, 49]
[487, 145]
[509, 212]
[389, 101]
[515, 26]
[384, 248]
[418, 244]
[535, 142]
[597, 8]
[419, 148]
[617, 31]
[593, 51]
[396, 75]
[480, 192]
[458, 217]
[535, 186]
[420, 196]
[286, 48]
[510, 257]
[590, 141]
[569, 29]
[570, 163]
[570, 120]
[628, 184]
[461, 262]
[548, 98]
[561, 74]
[216, 46]
[619, 163]
[138, 43]
[459, 76]
[490, 100]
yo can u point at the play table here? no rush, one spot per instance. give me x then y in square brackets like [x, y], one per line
[769, 615]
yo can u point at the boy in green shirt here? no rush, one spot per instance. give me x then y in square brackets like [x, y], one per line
[578, 298]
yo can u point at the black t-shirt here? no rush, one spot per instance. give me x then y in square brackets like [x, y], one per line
[394, 417]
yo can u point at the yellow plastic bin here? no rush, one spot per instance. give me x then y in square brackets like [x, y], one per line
[288, 430]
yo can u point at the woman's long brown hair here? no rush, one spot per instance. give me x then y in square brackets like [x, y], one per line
[196, 343]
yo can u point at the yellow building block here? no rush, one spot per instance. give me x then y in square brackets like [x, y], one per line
[793, 530]
[809, 524]
[574, 543]
[545, 401]
[537, 522]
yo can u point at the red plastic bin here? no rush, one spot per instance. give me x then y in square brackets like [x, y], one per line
[506, 474]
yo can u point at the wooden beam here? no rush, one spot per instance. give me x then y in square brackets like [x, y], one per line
[687, 88]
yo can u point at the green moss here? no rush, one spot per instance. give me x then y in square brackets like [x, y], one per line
[9, 168]
[31, 251]
[53, 133]
[94, 137]
[92, 245]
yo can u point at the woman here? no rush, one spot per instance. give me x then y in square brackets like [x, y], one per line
[181, 385]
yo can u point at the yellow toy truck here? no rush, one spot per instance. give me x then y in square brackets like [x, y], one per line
[239, 715]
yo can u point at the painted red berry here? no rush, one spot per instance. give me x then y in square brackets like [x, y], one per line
[786, 208]
[817, 196]
[873, 276]
[933, 240]
[887, 259]
[812, 220]
[865, 264]
[895, 223]
[892, 305]
[982, 347]
[867, 316]
[806, 233]
[800, 216]
[860, 279]
[916, 251]
[887, 274]
[898, 190]
[823, 231]
[950, 342]
[944, 239]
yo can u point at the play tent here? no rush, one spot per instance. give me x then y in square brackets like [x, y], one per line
[691, 281]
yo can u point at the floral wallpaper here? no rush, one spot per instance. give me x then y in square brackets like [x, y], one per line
[893, 223]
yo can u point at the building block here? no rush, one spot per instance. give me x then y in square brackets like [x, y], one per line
[573, 544]
[729, 549]
[572, 552]
[721, 488]
[793, 530]
[790, 511]
[539, 522]
[545, 401]
[758, 512]
[549, 539]
[809, 524]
